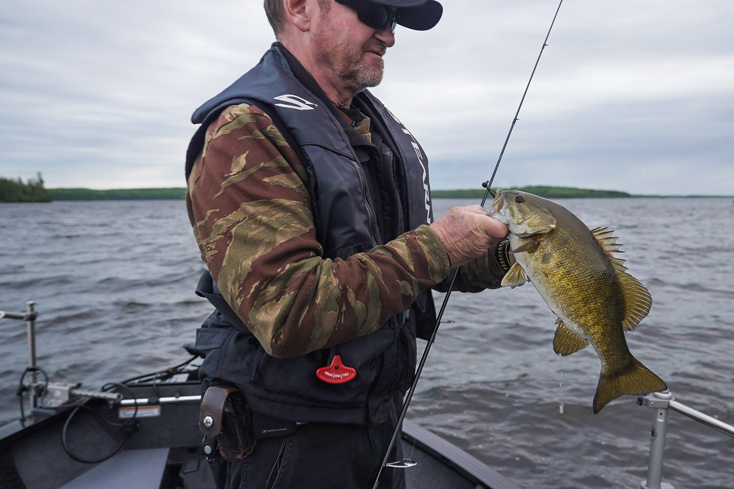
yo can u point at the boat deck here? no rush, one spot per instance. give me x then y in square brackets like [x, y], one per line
[164, 451]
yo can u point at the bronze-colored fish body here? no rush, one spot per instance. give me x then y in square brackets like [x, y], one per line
[587, 288]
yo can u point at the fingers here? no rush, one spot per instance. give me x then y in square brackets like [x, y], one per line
[467, 233]
[495, 228]
[489, 225]
[476, 209]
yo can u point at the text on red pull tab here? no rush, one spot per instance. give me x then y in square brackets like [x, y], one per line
[337, 372]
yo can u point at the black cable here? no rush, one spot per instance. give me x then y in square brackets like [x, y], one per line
[125, 427]
[164, 373]
[131, 423]
[22, 388]
[67, 448]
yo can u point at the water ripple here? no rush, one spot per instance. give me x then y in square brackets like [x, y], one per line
[115, 281]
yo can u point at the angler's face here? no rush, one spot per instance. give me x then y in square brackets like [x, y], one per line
[349, 51]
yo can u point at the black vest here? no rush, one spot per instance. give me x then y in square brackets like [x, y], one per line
[344, 215]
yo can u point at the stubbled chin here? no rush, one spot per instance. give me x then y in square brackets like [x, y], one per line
[369, 74]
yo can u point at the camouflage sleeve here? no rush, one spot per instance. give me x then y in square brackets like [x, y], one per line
[249, 206]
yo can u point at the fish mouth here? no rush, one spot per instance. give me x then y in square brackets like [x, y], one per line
[495, 211]
[498, 204]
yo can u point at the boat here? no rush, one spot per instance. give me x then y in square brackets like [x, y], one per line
[143, 433]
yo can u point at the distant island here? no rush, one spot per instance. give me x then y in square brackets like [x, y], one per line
[180, 193]
[542, 191]
[118, 194]
[34, 191]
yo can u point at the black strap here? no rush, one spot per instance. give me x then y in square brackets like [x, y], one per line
[208, 289]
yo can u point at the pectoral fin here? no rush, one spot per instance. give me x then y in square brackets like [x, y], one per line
[515, 276]
[566, 341]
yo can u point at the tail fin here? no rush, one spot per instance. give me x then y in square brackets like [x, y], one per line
[635, 379]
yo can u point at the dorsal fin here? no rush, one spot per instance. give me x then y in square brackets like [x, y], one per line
[607, 241]
[637, 299]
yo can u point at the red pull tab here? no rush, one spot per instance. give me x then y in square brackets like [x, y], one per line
[337, 372]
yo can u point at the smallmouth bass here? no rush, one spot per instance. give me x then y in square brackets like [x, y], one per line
[589, 290]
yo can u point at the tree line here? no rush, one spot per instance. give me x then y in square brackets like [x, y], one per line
[547, 192]
[18, 191]
[118, 194]
[34, 191]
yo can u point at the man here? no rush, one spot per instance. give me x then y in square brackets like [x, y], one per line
[310, 205]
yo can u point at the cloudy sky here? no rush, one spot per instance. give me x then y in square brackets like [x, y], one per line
[633, 95]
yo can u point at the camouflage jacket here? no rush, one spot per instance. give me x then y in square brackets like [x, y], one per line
[249, 206]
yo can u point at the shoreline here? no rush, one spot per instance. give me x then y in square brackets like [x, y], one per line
[179, 193]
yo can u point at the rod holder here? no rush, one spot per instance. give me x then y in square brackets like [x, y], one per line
[30, 316]
[660, 401]
[663, 403]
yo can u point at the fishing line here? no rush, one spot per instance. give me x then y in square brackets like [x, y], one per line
[488, 186]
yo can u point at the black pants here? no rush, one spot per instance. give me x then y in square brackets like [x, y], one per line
[316, 456]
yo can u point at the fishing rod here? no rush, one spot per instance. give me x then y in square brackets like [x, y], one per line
[407, 463]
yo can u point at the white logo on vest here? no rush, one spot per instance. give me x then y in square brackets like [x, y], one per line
[419, 154]
[295, 102]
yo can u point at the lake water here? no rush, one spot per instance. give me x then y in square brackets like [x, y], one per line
[114, 284]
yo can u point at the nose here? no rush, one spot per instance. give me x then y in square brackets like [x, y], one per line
[386, 35]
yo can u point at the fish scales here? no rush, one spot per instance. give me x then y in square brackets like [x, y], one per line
[583, 283]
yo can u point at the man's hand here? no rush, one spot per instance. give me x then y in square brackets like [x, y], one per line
[467, 233]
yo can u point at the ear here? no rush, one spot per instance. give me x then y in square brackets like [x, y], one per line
[299, 13]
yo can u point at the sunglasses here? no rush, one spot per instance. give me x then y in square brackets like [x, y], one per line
[373, 15]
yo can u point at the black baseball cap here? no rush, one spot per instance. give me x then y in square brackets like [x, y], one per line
[419, 15]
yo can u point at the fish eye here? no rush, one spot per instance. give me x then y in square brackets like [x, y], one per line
[519, 199]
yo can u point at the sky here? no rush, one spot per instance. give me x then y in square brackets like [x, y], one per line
[630, 95]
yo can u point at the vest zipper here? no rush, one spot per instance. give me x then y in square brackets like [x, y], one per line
[370, 212]
[398, 217]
